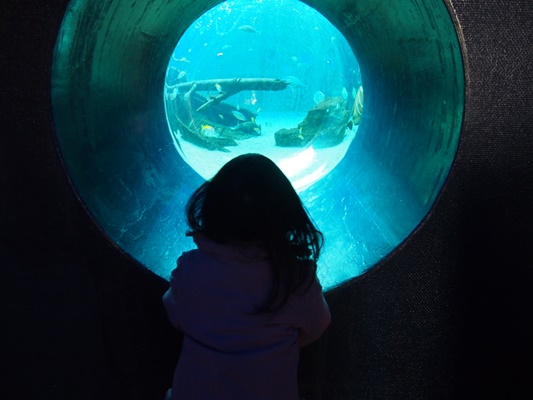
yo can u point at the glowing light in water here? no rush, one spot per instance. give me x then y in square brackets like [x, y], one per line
[294, 165]
[304, 133]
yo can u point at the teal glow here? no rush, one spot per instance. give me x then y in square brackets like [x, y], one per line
[272, 39]
[111, 65]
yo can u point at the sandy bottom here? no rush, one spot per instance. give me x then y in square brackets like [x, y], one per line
[303, 166]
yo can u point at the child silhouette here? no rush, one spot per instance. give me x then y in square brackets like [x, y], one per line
[248, 297]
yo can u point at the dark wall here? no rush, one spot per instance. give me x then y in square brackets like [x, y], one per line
[80, 320]
[447, 316]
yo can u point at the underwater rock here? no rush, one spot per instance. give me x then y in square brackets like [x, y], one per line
[205, 139]
[323, 126]
[248, 128]
[293, 137]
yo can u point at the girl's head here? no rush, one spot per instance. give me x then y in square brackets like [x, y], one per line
[250, 200]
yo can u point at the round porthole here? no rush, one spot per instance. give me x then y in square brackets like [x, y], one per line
[271, 77]
[150, 98]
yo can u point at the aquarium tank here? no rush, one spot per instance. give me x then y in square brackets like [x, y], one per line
[271, 77]
[360, 104]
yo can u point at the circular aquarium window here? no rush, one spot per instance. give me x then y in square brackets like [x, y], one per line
[268, 77]
[152, 97]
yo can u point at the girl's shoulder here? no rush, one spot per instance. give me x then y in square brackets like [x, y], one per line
[185, 261]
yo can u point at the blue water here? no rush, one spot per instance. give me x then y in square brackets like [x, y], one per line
[354, 215]
[270, 39]
[276, 39]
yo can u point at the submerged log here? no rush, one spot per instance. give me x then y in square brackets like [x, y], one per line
[233, 85]
[229, 87]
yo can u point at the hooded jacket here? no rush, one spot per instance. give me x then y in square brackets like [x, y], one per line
[231, 351]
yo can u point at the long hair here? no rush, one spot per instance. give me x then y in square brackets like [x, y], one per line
[250, 201]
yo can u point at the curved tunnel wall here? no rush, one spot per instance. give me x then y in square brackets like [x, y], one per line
[108, 77]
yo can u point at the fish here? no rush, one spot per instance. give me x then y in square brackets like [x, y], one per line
[294, 81]
[318, 97]
[354, 93]
[238, 115]
[344, 93]
[247, 28]
[208, 131]
[357, 109]
[250, 128]
[219, 88]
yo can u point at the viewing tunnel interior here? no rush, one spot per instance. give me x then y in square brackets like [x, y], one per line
[136, 146]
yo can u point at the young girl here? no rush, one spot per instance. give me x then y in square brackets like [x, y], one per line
[248, 298]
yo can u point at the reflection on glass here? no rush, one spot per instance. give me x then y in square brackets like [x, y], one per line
[271, 77]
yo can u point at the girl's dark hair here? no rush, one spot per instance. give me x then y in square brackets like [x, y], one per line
[250, 201]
